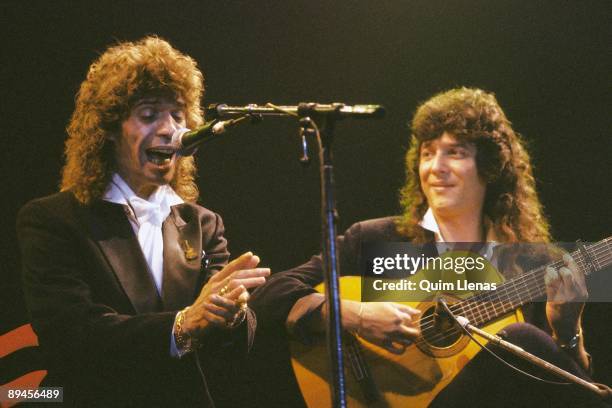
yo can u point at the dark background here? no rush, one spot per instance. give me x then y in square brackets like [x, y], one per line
[547, 61]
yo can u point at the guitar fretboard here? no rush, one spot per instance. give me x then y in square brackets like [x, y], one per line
[529, 286]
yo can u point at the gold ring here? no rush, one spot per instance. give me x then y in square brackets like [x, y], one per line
[224, 290]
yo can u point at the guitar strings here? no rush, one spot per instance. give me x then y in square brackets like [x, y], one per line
[468, 307]
[486, 300]
[471, 305]
[601, 250]
[601, 253]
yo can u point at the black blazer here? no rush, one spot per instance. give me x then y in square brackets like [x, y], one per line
[103, 327]
[274, 301]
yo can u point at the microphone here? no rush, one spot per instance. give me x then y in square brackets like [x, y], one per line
[187, 141]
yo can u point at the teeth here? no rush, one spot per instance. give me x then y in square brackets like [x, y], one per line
[162, 151]
[160, 156]
[158, 160]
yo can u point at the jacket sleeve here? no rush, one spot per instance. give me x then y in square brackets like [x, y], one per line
[289, 297]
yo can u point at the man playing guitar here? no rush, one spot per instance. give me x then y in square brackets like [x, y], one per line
[469, 179]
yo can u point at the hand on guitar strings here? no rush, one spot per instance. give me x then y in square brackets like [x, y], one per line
[391, 326]
[566, 292]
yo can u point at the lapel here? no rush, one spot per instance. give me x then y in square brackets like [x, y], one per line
[113, 233]
[182, 257]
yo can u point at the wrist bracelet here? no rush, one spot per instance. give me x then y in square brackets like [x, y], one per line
[571, 344]
[184, 342]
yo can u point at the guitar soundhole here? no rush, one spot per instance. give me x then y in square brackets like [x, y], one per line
[439, 333]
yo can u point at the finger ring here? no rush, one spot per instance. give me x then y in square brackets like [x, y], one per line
[224, 290]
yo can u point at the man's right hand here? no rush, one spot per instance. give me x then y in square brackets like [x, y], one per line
[221, 297]
[392, 326]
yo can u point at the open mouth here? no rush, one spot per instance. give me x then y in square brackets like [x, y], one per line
[160, 155]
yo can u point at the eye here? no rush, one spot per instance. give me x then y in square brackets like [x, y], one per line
[178, 116]
[458, 152]
[147, 114]
[426, 154]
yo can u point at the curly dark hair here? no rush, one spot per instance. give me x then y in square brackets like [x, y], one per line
[511, 203]
[121, 76]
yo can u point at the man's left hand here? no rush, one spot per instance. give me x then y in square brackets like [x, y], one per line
[566, 292]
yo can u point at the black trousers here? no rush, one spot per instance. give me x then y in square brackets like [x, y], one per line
[487, 382]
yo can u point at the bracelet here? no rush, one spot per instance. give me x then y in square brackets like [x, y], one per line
[184, 342]
[571, 344]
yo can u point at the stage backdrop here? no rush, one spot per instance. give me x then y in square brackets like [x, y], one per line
[548, 63]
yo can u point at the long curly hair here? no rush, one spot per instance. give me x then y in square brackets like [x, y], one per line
[121, 76]
[511, 205]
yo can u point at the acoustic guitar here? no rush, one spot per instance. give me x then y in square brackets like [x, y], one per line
[378, 378]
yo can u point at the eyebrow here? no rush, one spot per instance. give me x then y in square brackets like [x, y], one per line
[459, 144]
[158, 101]
[452, 144]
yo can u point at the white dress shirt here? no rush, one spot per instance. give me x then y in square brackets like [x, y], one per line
[146, 218]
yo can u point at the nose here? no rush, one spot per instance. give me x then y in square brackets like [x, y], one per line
[438, 163]
[167, 125]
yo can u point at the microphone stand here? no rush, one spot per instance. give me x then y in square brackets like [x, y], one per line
[330, 260]
[600, 390]
[327, 115]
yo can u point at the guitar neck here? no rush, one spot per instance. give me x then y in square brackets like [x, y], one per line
[530, 286]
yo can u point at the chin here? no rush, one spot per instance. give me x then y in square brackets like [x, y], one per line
[444, 209]
[162, 176]
[441, 204]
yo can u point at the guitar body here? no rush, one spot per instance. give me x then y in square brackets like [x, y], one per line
[412, 379]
